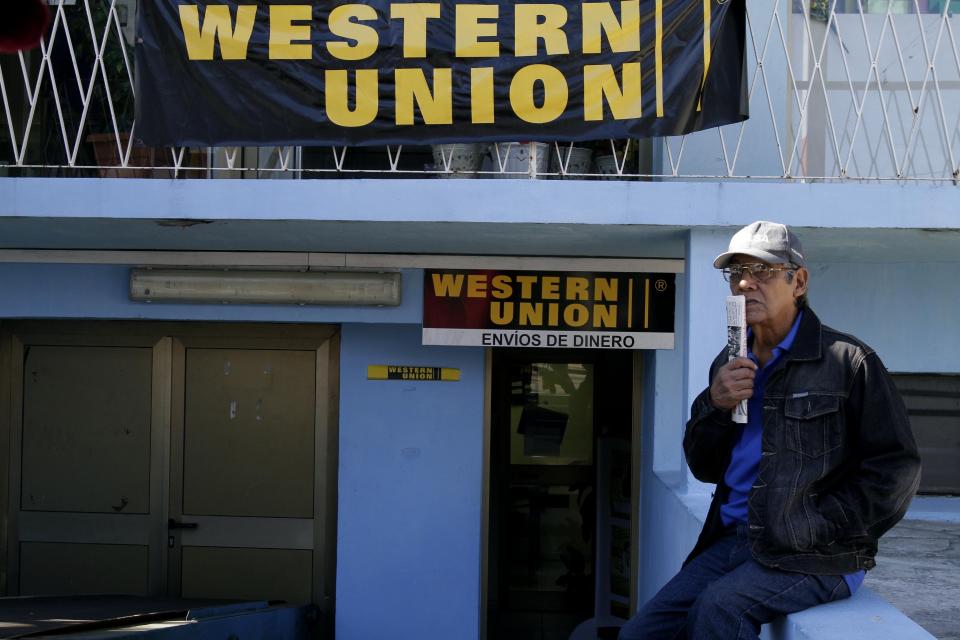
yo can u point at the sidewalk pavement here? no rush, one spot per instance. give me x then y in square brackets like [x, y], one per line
[918, 571]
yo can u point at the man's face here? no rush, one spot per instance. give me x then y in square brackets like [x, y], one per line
[772, 301]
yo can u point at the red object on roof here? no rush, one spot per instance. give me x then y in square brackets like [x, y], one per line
[23, 24]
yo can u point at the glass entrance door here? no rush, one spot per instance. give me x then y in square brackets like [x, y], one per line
[550, 493]
[552, 416]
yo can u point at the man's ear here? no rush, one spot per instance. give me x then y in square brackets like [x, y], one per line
[800, 282]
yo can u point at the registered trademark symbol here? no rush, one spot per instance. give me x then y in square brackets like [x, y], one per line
[660, 285]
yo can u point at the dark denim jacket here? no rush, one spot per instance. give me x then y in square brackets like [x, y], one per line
[839, 464]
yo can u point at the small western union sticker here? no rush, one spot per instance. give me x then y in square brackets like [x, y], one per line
[403, 372]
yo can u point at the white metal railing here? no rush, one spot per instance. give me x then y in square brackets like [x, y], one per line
[850, 90]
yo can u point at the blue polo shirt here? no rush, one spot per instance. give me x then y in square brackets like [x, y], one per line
[741, 475]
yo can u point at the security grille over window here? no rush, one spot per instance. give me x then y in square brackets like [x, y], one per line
[854, 90]
[933, 405]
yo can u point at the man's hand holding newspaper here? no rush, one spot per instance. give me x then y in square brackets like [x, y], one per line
[733, 383]
[737, 344]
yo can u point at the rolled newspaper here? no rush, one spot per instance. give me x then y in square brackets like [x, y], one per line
[737, 344]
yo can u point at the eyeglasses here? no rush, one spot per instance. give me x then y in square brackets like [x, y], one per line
[758, 271]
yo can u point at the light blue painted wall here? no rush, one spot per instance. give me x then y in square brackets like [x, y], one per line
[850, 297]
[756, 151]
[411, 468]
[670, 203]
[668, 530]
[393, 550]
[705, 306]
[673, 503]
[101, 291]
[670, 523]
[410, 457]
[666, 390]
[908, 312]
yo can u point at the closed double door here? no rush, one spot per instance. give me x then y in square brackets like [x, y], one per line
[190, 460]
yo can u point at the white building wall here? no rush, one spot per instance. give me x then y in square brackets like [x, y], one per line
[908, 312]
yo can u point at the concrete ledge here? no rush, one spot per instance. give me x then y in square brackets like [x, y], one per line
[673, 204]
[935, 508]
[865, 616]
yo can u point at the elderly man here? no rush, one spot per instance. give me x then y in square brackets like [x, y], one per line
[825, 464]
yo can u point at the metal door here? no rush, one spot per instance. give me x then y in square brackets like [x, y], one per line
[180, 459]
[88, 444]
[248, 431]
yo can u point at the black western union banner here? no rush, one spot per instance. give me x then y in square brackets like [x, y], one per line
[549, 309]
[382, 72]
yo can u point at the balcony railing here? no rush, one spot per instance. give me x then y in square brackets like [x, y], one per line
[840, 90]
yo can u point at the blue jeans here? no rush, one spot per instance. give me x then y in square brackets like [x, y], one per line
[724, 594]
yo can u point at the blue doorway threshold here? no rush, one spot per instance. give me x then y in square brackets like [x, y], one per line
[145, 618]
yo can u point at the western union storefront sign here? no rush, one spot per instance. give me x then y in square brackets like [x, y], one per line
[549, 309]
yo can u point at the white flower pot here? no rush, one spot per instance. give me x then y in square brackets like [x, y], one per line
[607, 167]
[577, 162]
[464, 159]
[517, 158]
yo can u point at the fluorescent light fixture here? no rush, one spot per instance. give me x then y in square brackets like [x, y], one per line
[265, 287]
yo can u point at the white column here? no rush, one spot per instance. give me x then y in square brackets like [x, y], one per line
[705, 306]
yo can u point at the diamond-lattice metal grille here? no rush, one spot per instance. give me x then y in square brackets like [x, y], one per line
[859, 90]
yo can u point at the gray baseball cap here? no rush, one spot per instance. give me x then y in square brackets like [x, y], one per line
[771, 242]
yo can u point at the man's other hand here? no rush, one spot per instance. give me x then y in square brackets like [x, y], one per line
[732, 383]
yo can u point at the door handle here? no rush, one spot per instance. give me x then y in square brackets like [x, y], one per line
[176, 524]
